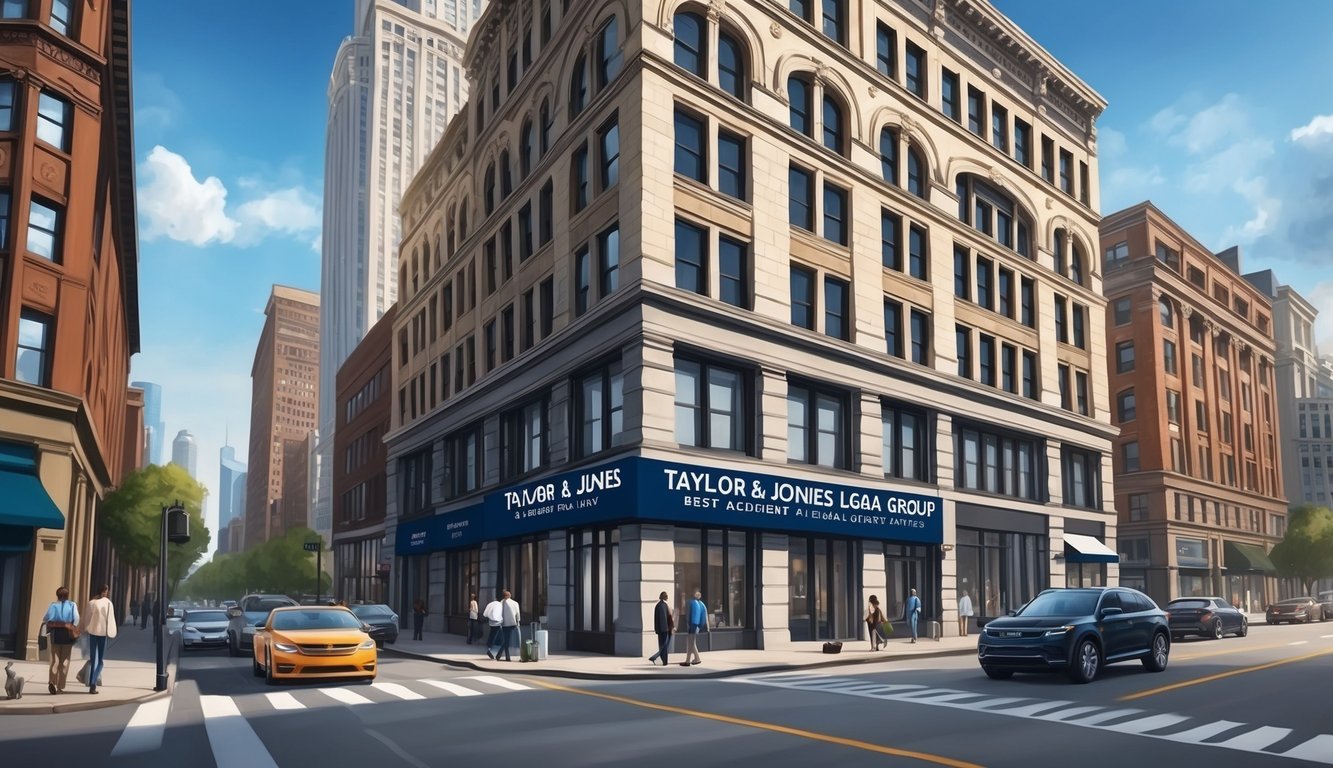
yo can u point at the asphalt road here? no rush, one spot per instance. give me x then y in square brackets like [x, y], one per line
[1235, 702]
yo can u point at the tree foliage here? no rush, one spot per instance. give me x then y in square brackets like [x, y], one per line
[278, 566]
[131, 517]
[1306, 552]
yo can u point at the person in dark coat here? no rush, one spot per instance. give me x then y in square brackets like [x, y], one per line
[419, 618]
[663, 624]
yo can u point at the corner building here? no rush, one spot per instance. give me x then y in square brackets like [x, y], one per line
[1198, 468]
[790, 307]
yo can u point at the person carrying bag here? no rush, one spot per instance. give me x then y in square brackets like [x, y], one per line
[61, 623]
[877, 627]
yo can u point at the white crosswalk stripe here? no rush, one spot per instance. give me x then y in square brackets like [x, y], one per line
[283, 700]
[394, 689]
[1236, 736]
[344, 696]
[144, 731]
[500, 682]
[456, 690]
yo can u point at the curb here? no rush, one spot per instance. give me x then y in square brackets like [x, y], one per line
[530, 671]
[172, 668]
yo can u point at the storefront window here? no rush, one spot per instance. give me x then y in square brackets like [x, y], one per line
[1087, 575]
[1002, 570]
[523, 572]
[905, 570]
[1194, 584]
[463, 580]
[824, 579]
[357, 566]
[594, 561]
[721, 574]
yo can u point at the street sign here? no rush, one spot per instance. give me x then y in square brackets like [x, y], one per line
[312, 546]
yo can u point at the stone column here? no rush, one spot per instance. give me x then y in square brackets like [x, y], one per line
[774, 632]
[647, 568]
[558, 583]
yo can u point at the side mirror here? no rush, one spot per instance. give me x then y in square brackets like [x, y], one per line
[365, 628]
[1111, 612]
[1011, 613]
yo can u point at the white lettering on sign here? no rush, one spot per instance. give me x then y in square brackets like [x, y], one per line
[526, 497]
[701, 489]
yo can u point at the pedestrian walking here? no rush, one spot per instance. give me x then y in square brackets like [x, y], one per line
[99, 622]
[509, 618]
[698, 622]
[134, 612]
[473, 629]
[913, 612]
[418, 617]
[874, 623]
[493, 614]
[664, 624]
[62, 625]
[964, 612]
[145, 609]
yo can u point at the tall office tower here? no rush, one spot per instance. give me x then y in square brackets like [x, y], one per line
[783, 306]
[283, 402]
[69, 304]
[155, 428]
[395, 85]
[185, 453]
[1198, 483]
[231, 496]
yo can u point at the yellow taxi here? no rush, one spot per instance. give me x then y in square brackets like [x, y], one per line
[304, 642]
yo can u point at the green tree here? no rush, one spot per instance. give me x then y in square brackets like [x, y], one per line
[1306, 552]
[280, 566]
[131, 517]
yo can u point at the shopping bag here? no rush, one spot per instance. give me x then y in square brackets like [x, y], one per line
[886, 628]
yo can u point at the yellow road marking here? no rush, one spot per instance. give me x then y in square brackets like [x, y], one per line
[812, 735]
[1222, 675]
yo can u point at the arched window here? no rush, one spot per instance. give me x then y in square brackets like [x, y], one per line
[506, 175]
[994, 213]
[435, 265]
[450, 222]
[416, 270]
[798, 94]
[731, 65]
[1075, 262]
[888, 155]
[608, 53]
[547, 122]
[488, 189]
[525, 150]
[691, 52]
[462, 221]
[916, 172]
[1165, 311]
[834, 129]
[578, 87]
[1059, 257]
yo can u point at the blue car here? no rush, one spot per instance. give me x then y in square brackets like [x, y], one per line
[1077, 631]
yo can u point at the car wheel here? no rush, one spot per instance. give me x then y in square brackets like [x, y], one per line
[1159, 654]
[268, 669]
[1218, 634]
[998, 674]
[258, 670]
[1244, 627]
[1087, 661]
[233, 646]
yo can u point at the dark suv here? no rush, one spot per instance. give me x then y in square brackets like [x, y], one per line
[1077, 630]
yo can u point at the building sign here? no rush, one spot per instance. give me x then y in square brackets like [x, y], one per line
[659, 491]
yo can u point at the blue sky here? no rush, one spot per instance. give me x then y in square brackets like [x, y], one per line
[1214, 115]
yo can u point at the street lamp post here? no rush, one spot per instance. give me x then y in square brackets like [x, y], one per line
[176, 529]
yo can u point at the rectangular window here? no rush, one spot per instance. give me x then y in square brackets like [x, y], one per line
[834, 13]
[1005, 290]
[1062, 374]
[800, 206]
[836, 215]
[44, 229]
[962, 285]
[580, 178]
[691, 139]
[8, 91]
[1081, 392]
[1030, 375]
[837, 312]
[463, 457]
[1082, 475]
[920, 329]
[1126, 405]
[608, 140]
[33, 362]
[949, 85]
[802, 297]
[999, 135]
[1138, 512]
[1129, 453]
[528, 336]
[997, 462]
[1124, 356]
[817, 427]
[524, 233]
[1122, 311]
[599, 410]
[1083, 191]
[546, 214]
[985, 289]
[731, 164]
[890, 234]
[523, 432]
[712, 409]
[886, 50]
[916, 70]
[1169, 357]
[506, 252]
[547, 289]
[963, 344]
[608, 254]
[490, 345]
[976, 111]
[1077, 313]
[1066, 172]
[1022, 142]
[54, 120]
[507, 333]
[1008, 365]
[733, 264]
[1061, 321]
[893, 327]
[582, 280]
[1027, 302]
[60, 16]
[906, 442]
[492, 267]
[1048, 159]
[986, 359]
[917, 256]
[691, 257]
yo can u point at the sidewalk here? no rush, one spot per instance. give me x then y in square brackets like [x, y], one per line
[128, 675]
[453, 651]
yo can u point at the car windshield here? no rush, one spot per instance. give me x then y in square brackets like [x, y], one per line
[372, 611]
[1063, 603]
[1190, 604]
[202, 617]
[264, 605]
[337, 619]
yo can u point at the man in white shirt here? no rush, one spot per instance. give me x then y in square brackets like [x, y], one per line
[509, 618]
[493, 615]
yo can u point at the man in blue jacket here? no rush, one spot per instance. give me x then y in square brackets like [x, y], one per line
[913, 612]
[698, 616]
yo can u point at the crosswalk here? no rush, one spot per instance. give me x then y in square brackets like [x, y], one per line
[235, 743]
[1224, 734]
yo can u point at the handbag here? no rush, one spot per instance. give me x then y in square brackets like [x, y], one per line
[41, 638]
[886, 628]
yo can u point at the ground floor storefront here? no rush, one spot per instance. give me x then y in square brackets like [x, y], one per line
[776, 559]
[1169, 564]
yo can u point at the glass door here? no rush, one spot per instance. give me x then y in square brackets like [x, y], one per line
[823, 584]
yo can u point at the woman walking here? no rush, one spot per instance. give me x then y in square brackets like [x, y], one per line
[874, 621]
[418, 618]
[99, 623]
[473, 629]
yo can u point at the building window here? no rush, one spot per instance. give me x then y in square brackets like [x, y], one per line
[33, 362]
[608, 53]
[1173, 407]
[1082, 475]
[1030, 375]
[893, 330]
[834, 138]
[963, 345]
[1008, 364]
[546, 213]
[1061, 320]
[731, 66]
[997, 462]
[985, 288]
[837, 312]
[524, 233]
[691, 153]
[712, 409]
[8, 91]
[1027, 304]
[917, 257]
[529, 334]
[949, 85]
[608, 139]
[916, 70]
[1138, 511]
[523, 433]
[986, 359]
[1005, 291]
[906, 449]
[547, 289]
[920, 330]
[836, 215]
[506, 175]
[800, 206]
[1165, 314]
[1129, 454]
[599, 410]
[463, 457]
[731, 164]
[1048, 159]
[525, 150]
[1124, 356]
[1081, 393]
[415, 471]
[547, 124]
[608, 253]
[1169, 357]
[1122, 311]
[799, 95]
[582, 280]
[1023, 142]
[994, 214]
[488, 190]
[886, 50]
[1077, 313]
[999, 119]
[579, 178]
[60, 16]
[54, 120]
[834, 13]
[802, 297]
[817, 426]
[1066, 171]
[1117, 256]
[691, 257]
[691, 36]
[976, 111]
[916, 173]
[1125, 406]
[733, 262]
[890, 233]
[44, 229]
[13, 9]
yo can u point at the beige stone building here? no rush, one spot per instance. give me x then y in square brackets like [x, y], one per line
[789, 308]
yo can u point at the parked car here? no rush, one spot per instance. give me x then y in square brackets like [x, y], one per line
[381, 619]
[303, 642]
[202, 627]
[1206, 617]
[1325, 601]
[250, 613]
[1296, 610]
[1077, 631]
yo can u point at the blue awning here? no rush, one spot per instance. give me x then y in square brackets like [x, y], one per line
[24, 503]
[1086, 549]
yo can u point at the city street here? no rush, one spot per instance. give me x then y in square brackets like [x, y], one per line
[1252, 701]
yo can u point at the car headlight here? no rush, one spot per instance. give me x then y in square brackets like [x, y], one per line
[191, 630]
[1060, 630]
[367, 644]
[394, 618]
[286, 647]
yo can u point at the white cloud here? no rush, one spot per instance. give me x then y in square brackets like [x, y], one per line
[1318, 129]
[317, 244]
[176, 205]
[1111, 144]
[1266, 211]
[290, 211]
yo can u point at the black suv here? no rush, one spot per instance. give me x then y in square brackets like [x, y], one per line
[1077, 630]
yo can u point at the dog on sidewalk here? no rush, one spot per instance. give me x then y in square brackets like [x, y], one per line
[13, 683]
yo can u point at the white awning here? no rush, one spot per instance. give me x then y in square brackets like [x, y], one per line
[1087, 549]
